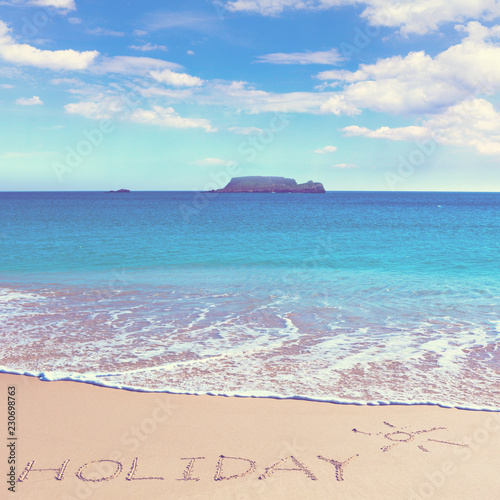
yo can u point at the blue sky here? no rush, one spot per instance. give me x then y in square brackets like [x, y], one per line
[183, 95]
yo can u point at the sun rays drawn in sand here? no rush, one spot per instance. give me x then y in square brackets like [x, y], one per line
[404, 435]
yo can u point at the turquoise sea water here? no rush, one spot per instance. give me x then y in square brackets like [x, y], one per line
[348, 296]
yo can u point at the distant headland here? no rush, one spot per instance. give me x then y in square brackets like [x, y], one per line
[262, 184]
[119, 191]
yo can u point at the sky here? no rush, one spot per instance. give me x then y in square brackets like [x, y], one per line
[374, 95]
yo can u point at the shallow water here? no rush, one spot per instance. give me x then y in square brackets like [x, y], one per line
[362, 297]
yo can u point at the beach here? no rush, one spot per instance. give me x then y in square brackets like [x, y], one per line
[104, 443]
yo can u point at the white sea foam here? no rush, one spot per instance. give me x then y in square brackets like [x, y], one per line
[344, 351]
[95, 380]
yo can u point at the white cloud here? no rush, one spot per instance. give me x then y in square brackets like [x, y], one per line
[58, 4]
[331, 56]
[75, 20]
[268, 7]
[167, 117]
[338, 104]
[140, 33]
[473, 123]
[344, 165]
[99, 108]
[103, 32]
[132, 65]
[29, 101]
[63, 5]
[114, 105]
[147, 47]
[6, 86]
[419, 83]
[412, 133]
[190, 52]
[325, 150]
[421, 16]
[213, 162]
[176, 79]
[410, 16]
[245, 130]
[24, 54]
[242, 96]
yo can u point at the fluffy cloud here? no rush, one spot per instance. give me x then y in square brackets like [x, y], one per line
[421, 16]
[63, 6]
[167, 117]
[214, 162]
[176, 79]
[58, 4]
[411, 16]
[339, 104]
[326, 149]
[419, 83]
[473, 123]
[29, 101]
[27, 55]
[99, 108]
[331, 56]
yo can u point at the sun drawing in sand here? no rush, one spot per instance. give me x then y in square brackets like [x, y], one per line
[404, 435]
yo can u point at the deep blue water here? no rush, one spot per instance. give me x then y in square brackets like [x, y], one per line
[361, 296]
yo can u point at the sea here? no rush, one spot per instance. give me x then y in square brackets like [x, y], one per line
[348, 297]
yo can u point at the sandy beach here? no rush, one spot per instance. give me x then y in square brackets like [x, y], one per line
[78, 441]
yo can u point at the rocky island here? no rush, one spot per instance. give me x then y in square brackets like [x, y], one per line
[262, 184]
[119, 191]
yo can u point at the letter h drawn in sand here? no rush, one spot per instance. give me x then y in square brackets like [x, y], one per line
[404, 435]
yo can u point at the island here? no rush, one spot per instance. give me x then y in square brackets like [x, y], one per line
[262, 184]
[119, 191]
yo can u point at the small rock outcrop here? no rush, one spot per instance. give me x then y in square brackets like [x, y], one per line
[119, 191]
[262, 184]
